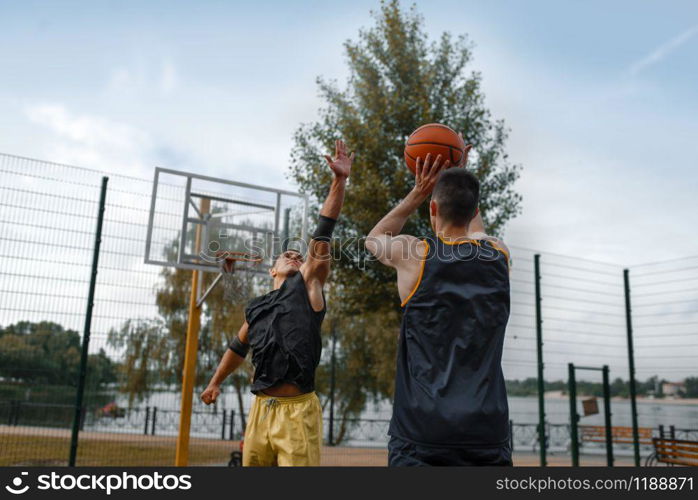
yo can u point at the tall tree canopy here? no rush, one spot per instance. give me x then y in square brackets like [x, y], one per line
[398, 80]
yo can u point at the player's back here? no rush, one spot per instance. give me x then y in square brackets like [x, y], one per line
[450, 388]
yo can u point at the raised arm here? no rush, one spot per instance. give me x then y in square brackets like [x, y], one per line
[385, 241]
[230, 362]
[316, 268]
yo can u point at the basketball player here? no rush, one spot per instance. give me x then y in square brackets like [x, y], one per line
[283, 330]
[450, 403]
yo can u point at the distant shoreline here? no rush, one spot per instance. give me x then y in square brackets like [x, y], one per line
[640, 399]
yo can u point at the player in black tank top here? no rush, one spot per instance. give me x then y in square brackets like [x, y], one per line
[282, 328]
[284, 334]
[450, 405]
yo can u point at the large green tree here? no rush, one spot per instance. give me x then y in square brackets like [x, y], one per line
[47, 353]
[398, 80]
[153, 348]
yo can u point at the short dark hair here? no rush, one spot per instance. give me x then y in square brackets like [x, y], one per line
[457, 192]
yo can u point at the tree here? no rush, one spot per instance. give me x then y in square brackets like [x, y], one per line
[398, 80]
[154, 348]
[46, 352]
[691, 387]
[148, 356]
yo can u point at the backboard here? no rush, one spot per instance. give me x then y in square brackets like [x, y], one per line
[193, 218]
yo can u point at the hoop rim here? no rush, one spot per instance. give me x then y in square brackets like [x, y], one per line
[239, 256]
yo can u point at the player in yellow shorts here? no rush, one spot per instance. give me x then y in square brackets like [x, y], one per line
[283, 330]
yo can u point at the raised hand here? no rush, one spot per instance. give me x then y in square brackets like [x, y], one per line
[341, 163]
[427, 174]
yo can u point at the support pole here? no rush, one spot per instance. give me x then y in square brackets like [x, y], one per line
[631, 368]
[287, 229]
[574, 418]
[607, 416]
[190, 351]
[541, 380]
[88, 326]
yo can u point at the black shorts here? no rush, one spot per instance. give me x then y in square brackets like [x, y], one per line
[402, 453]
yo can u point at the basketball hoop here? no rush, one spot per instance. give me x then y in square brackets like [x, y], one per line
[237, 274]
[237, 271]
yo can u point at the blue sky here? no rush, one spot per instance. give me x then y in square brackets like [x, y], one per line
[600, 98]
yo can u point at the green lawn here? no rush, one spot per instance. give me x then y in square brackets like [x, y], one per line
[126, 450]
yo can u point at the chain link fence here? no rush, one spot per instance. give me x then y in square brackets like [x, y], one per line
[130, 412]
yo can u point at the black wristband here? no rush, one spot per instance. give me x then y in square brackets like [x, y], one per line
[238, 347]
[325, 226]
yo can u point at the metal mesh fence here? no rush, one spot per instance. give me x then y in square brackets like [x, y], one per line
[665, 323]
[130, 413]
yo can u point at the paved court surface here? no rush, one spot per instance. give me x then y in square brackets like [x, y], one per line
[219, 450]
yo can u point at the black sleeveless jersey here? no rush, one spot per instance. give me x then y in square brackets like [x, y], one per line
[449, 388]
[284, 335]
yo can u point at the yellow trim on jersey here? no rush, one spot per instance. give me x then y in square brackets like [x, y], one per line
[504, 252]
[476, 242]
[421, 273]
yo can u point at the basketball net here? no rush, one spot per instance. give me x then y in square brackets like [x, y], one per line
[237, 275]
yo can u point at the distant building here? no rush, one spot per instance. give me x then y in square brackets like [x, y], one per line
[673, 389]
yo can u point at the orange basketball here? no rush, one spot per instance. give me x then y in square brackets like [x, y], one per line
[436, 139]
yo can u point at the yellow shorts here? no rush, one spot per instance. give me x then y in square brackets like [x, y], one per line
[284, 431]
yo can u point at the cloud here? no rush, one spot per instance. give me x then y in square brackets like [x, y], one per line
[168, 77]
[155, 78]
[92, 140]
[662, 51]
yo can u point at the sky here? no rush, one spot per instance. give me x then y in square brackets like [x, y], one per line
[600, 99]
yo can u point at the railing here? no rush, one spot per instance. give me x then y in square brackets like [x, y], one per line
[149, 420]
[152, 420]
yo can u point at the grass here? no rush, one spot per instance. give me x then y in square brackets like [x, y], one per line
[19, 449]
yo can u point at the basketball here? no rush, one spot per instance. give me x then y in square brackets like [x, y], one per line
[436, 139]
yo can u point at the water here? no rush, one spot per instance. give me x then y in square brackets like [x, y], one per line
[373, 426]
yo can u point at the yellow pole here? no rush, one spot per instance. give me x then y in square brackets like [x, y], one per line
[190, 351]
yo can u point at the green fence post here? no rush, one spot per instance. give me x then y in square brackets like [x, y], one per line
[231, 432]
[154, 420]
[330, 437]
[607, 416]
[541, 380]
[574, 443]
[88, 326]
[631, 368]
[223, 425]
[147, 420]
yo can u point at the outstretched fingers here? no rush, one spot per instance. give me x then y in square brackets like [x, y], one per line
[436, 167]
[426, 168]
